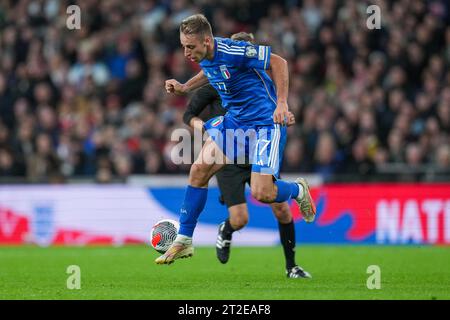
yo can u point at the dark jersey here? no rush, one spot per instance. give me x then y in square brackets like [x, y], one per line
[202, 98]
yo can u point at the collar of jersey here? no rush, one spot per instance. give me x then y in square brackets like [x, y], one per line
[206, 62]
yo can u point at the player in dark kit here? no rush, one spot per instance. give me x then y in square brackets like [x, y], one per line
[232, 179]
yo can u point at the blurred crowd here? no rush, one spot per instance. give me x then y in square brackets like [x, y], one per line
[91, 102]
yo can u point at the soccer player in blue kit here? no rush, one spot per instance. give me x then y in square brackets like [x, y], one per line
[254, 103]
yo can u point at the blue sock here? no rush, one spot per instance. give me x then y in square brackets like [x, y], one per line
[286, 190]
[194, 202]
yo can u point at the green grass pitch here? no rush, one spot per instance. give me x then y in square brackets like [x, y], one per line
[339, 272]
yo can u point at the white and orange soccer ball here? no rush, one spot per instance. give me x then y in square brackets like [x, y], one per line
[163, 234]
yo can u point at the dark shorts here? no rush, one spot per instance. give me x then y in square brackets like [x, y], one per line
[232, 179]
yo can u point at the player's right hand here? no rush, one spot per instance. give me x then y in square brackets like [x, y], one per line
[173, 86]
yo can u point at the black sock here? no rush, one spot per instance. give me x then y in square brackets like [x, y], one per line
[287, 237]
[228, 229]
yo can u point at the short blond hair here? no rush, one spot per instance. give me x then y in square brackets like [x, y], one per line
[196, 24]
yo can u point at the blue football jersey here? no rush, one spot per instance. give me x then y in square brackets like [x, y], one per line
[237, 72]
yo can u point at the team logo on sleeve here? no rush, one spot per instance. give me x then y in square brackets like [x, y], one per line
[225, 73]
[250, 52]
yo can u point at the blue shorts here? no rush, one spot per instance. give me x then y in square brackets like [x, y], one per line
[260, 145]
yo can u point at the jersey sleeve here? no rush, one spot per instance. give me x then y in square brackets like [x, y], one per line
[257, 56]
[245, 54]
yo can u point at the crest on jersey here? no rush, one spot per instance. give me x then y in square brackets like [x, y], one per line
[225, 73]
[250, 52]
[217, 121]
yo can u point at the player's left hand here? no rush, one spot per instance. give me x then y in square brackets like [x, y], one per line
[281, 113]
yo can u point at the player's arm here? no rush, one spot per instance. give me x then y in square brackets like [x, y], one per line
[291, 117]
[199, 101]
[260, 57]
[280, 77]
[173, 86]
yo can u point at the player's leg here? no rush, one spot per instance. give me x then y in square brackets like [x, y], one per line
[268, 153]
[209, 161]
[231, 181]
[266, 190]
[238, 218]
[287, 238]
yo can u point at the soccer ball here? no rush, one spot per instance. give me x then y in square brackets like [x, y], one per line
[163, 234]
